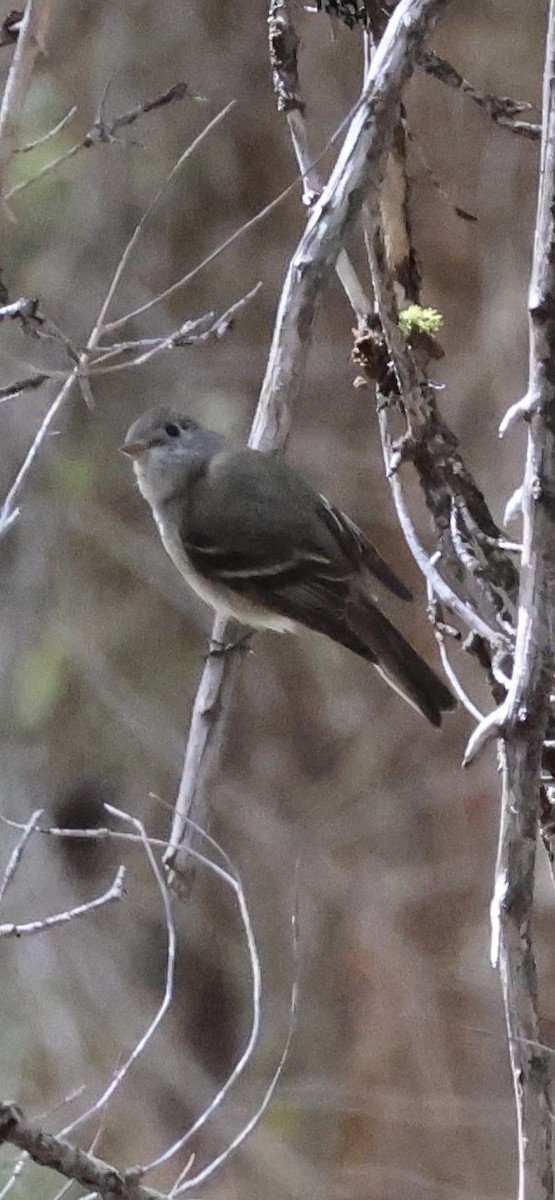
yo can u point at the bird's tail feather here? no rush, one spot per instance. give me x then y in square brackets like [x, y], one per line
[396, 660]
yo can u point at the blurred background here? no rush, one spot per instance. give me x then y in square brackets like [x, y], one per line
[397, 1082]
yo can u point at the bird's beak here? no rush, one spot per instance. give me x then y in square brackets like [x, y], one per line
[134, 449]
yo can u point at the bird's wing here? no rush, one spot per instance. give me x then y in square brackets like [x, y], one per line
[303, 563]
[356, 545]
[262, 532]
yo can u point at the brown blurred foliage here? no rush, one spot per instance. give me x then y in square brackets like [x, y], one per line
[398, 1081]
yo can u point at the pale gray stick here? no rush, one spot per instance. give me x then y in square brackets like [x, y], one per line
[522, 721]
[30, 40]
[358, 169]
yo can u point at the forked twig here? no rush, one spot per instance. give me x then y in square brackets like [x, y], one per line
[42, 924]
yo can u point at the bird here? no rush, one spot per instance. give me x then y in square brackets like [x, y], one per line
[255, 541]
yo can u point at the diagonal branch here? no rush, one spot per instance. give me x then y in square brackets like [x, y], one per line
[50, 1151]
[359, 168]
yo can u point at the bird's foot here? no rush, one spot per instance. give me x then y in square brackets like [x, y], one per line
[217, 649]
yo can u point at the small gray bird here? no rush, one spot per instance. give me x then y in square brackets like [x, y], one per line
[258, 544]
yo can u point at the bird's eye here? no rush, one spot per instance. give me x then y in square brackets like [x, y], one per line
[172, 430]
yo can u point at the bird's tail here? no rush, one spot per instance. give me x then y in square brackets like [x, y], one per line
[376, 639]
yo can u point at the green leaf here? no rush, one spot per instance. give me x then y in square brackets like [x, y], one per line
[414, 318]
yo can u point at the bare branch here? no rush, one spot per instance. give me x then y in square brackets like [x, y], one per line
[501, 109]
[122, 1071]
[521, 410]
[283, 57]
[31, 36]
[465, 529]
[50, 1151]
[102, 131]
[229, 241]
[8, 512]
[208, 328]
[356, 172]
[181, 1188]
[99, 326]
[528, 699]
[17, 853]
[11, 390]
[491, 727]
[234, 881]
[51, 133]
[23, 929]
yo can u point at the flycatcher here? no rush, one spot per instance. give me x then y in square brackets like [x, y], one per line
[258, 544]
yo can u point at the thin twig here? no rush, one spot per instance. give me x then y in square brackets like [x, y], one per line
[213, 124]
[102, 131]
[501, 109]
[235, 883]
[181, 1188]
[247, 227]
[51, 133]
[283, 57]
[140, 1045]
[436, 615]
[8, 512]
[31, 36]
[446, 594]
[42, 924]
[184, 336]
[17, 852]
[12, 390]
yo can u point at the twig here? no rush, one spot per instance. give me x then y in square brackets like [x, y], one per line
[100, 323]
[464, 527]
[521, 410]
[51, 133]
[357, 170]
[55, 1152]
[490, 728]
[234, 881]
[17, 852]
[32, 32]
[436, 616]
[104, 131]
[186, 335]
[440, 587]
[501, 109]
[209, 1170]
[229, 241]
[24, 929]
[122, 1071]
[283, 57]
[101, 132]
[11, 390]
[9, 513]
